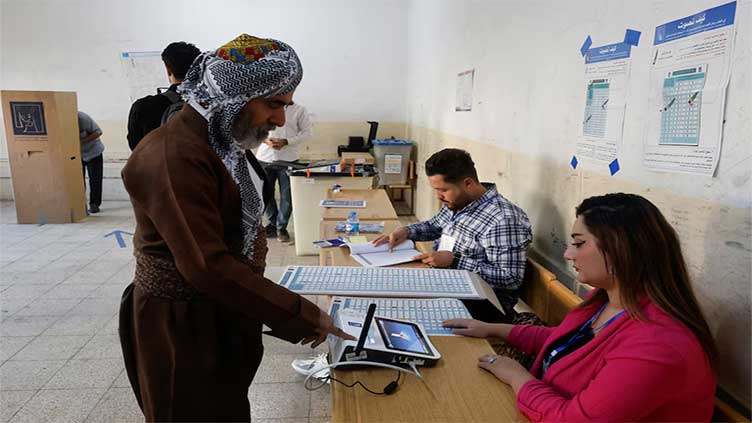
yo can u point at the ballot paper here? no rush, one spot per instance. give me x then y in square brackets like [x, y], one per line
[369, 255]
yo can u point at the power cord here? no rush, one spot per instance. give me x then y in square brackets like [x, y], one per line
[388, 389]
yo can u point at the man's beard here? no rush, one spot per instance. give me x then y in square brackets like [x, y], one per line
[248, 137]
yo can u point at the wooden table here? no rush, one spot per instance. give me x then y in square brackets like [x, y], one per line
[327, 228]
[341, 255]
[357, 158]
[456, 390]
[378, 205]
[459, 391]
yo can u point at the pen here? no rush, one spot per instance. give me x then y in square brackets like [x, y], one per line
[604, 104]
[588, 118]
[671, 103]
[691, 99]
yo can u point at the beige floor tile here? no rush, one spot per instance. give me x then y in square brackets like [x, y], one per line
[117, 405]
[59, 405]
[12, 401]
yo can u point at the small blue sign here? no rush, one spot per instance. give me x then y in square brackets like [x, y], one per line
[586, 45]
[614, 167]
[632, 37]
[574, 162]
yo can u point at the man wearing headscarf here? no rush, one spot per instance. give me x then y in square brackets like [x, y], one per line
[190, 323]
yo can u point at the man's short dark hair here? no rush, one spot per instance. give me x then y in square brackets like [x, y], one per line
[453, 164]
[178, 57]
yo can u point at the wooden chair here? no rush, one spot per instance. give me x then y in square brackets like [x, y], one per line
[724, 412]
[548, 297]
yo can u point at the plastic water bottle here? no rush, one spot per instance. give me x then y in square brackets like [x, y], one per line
[352, 226]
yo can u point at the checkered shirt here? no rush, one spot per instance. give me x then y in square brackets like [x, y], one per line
[492, 235]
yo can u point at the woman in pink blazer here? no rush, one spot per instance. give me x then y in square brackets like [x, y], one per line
[637, 349]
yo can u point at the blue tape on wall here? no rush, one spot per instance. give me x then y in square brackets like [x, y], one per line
[614, 166]
[573, 162]
[586, 45]
[632, 37]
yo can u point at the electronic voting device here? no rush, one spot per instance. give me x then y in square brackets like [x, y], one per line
[380, 339]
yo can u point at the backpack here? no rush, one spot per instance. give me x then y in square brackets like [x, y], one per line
[176, 104]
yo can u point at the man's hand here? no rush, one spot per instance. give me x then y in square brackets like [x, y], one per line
[437, 258]
[91, 137]
[277, 143]
[395, 238]
[325, 327]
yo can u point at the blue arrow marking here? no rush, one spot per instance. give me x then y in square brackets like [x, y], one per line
[119, 236]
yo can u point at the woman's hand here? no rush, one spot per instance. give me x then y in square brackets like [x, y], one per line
[469, 327]
[505, 369]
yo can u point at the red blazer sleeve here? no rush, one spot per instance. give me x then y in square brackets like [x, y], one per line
[638, 377]
[529, 339]
[181, 198]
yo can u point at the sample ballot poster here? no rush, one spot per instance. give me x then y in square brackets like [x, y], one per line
[145, 72]
[690, 70]
[606, 76]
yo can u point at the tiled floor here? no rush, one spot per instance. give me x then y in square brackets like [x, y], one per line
[60, 358]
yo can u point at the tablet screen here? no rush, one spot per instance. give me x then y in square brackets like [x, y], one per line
[402, 336]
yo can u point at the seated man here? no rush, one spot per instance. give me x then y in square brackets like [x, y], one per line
[476, 229]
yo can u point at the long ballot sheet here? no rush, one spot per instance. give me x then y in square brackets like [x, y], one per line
[429, 312]
[379, 281]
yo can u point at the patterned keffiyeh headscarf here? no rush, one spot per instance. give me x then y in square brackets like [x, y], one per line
[222, 82]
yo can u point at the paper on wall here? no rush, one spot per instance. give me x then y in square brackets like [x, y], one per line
[690, 70]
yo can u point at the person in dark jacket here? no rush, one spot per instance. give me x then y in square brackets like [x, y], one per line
[146, 113]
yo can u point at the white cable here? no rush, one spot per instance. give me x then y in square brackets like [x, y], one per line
[354, 363]
[417, 373]
[415, 369]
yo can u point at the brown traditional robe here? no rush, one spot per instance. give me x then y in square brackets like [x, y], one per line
[190, 324]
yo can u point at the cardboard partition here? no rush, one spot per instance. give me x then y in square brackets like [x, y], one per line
[45, 156]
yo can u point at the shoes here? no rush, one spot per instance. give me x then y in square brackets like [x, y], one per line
[271, 231]
[306, 366]
[283, 236]
[93, 209]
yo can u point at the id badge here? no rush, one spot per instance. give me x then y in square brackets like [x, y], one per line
[446, 243]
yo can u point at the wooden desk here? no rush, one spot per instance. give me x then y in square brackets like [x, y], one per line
[307, 194]
[460, 391]
[357, 158]
[341, 255]
[378, 206]
[327, 228]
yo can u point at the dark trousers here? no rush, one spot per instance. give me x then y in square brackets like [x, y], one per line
[278, 216]
[95, 167]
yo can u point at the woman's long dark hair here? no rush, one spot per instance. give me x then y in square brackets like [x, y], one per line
[643, 253]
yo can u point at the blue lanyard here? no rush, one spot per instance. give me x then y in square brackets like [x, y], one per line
[579, 335]
[453, 218]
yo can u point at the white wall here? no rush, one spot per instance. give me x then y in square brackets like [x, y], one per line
[526, 114]
[352, 50]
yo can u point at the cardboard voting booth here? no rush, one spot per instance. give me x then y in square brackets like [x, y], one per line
[45, 156]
